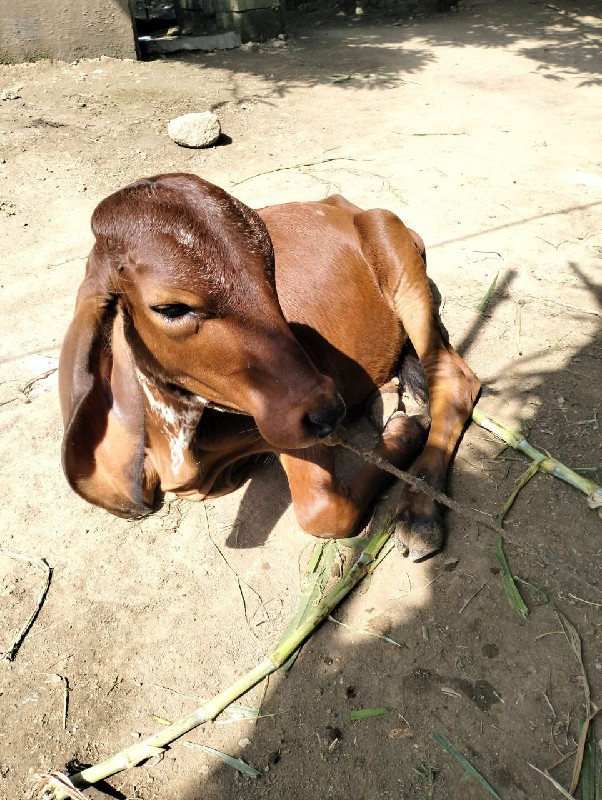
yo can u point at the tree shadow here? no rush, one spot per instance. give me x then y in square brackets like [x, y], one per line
[457, 659]
[561, 41]
[504, 690]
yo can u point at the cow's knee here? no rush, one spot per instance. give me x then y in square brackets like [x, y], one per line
[328, 516]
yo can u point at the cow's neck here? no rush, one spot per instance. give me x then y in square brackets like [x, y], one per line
[172, 422]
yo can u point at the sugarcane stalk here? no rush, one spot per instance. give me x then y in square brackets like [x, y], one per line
[546, 463]
[156, 744]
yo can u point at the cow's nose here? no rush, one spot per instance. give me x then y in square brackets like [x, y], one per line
[323, 422]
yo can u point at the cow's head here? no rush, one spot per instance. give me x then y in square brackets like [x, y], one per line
[190, 270]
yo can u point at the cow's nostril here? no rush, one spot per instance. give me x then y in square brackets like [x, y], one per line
[322, 423]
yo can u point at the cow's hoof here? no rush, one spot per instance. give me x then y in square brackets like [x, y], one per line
[419, 536]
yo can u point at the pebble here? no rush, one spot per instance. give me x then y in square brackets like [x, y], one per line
[195, 130]
[10, 94]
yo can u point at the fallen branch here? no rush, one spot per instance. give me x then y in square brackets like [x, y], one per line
[11, 651]
[474, 514]
[54, 786]
[477, 516]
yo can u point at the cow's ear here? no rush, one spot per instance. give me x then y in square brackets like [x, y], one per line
[103, 449]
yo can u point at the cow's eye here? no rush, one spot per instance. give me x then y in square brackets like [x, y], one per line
[172, 310]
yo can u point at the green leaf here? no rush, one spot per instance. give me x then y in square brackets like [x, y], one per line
[587, 782]
[317, 573]
[235, 763]
[524, 479]
[488, 294]
[516, 601]
[453, 751]
[366, 713]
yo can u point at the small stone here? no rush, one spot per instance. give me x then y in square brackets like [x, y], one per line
[560, 400]
[195, 130]
[250, 47]
[400, 733]
[242, 743]
[10, 94]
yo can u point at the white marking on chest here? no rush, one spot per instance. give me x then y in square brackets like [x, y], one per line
[177, 425]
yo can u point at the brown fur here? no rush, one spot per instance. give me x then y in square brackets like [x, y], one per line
[294, 310]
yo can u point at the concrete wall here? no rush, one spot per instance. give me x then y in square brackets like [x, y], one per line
[65, 29]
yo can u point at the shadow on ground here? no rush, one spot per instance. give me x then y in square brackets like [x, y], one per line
[459, 661]
[561, 40]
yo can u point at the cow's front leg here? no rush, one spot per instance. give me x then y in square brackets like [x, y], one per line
[453, 390]
[398, 255]
[328, 508]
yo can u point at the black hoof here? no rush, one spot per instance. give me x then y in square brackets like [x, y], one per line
[418, 537]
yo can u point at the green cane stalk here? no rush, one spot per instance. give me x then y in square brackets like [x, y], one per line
[154, 745]
[546, 463]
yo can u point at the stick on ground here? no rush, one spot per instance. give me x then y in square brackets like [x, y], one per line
[475, 514]
[17, 640]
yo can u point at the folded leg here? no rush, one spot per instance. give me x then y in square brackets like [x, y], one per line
[328, 508]
[398, 257]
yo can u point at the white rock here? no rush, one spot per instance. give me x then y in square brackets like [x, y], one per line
[195, 130]
[11, 93]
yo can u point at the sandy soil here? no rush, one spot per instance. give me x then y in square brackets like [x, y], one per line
[482, 131]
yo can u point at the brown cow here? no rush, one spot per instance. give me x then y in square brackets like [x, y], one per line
[205, 333]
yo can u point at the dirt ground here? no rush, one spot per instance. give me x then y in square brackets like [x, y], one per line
[481, 129]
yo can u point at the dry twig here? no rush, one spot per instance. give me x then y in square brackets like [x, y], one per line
[11, 651]
[474, 514]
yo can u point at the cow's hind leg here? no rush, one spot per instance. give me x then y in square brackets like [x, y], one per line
[453, 388]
